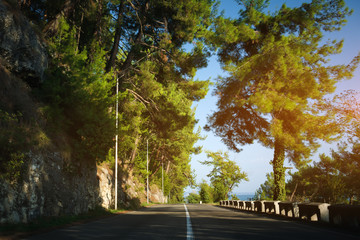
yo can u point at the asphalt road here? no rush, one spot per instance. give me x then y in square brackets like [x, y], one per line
[207, 222]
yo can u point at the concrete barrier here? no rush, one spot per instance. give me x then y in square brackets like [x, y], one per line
[249, 205]
[345, 215]
[259, 206]
[242, 205]
[289, 209]
[314, 211]
[237, 204]
[272, 207]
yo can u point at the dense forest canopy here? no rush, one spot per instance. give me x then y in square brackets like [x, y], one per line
[153, 48]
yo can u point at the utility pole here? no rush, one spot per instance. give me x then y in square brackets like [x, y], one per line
[116, 142]
[147, 170]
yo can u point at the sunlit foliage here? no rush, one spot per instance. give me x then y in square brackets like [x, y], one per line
[278, 71]
[225, 174]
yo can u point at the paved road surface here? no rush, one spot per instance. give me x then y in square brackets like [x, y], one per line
[207, 222]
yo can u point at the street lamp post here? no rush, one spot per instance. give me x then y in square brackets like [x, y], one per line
[147, 171]
[116, 141]
[162, 180]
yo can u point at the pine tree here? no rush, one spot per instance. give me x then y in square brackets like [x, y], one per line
[278, 71]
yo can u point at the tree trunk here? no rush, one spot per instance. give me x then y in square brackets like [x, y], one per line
[118, 32]
[133, 154]
[52, 27]
[158, 166]
[293, 193]
[136, 143]
[79, 34]
[279, 171]
[139, 36]
[98, 26]
[167, 167]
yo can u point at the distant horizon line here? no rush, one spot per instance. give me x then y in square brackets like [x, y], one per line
[244, 193]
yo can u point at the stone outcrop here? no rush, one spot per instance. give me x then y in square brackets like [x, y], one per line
[21, 50]
[49, 187]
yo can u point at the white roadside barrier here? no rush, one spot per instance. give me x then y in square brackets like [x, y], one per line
[344, 215]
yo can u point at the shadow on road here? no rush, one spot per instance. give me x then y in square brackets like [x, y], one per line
[223, 223]
[156, 222]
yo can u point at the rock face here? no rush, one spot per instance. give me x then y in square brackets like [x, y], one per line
[21, 50]
[50, 188]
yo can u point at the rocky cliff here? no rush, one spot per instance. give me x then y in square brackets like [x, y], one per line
[47, 186]
[48, 189]
[21, 50]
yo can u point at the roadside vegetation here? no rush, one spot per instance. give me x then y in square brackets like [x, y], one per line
[152, 49]
[333, 178]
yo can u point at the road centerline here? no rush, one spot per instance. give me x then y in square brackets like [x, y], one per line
[190, 234]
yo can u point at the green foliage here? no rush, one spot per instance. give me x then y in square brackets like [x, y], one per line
[225, 175]
[157, 88]
[266, 190]
[219, 191]
[205, 193]
[333, 179]
[193, 198]
[78, 94]
[15, 140]
[278, 73]
[234, 197]
[142, 45]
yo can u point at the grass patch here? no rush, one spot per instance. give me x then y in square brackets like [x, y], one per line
[146, 204]
[49, 223]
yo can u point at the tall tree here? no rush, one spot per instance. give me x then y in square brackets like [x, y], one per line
[158, 87]
[154, 47]
[277, 66]
[225, 175]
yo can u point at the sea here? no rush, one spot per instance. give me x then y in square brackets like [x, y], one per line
[245, 197]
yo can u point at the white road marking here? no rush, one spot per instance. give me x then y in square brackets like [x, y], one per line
[190, 234]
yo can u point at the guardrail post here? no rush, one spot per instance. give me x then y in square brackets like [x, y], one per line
[289, 209]
[241, 205]
[346, 215]
[249, 205]
[259, 206]
[314, 211]
[271, 207]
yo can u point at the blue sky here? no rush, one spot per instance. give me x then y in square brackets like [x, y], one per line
[254, 159]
